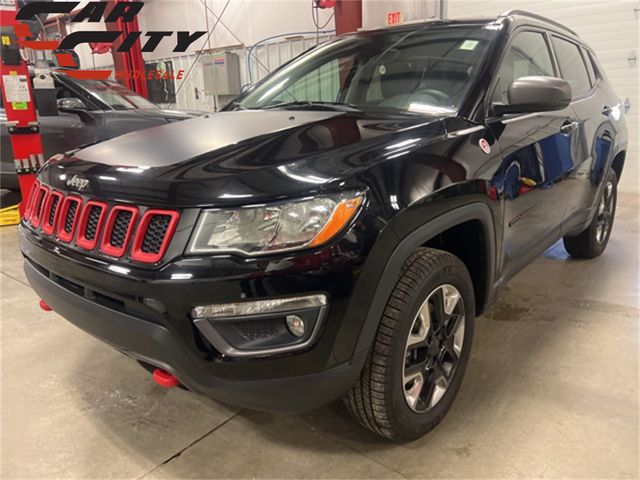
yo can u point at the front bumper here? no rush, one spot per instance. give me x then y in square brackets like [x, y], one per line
[154, 344]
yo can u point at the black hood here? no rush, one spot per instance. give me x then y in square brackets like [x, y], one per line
[165, 113]
[147, 117]
[239, 157]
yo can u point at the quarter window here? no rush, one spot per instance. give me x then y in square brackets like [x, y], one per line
[572, 66]
[528, 55]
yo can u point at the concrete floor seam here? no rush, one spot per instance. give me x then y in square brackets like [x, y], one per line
[180, 452]
[16, 279]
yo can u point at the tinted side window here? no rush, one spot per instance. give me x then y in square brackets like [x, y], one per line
[528, 55]
[572, 66]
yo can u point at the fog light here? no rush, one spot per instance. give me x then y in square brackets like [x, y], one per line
[295, 325]
[262, 327]
[258, 307]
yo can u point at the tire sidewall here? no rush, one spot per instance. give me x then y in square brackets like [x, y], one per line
[409, 423]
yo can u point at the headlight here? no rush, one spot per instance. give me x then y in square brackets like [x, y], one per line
[274, 228]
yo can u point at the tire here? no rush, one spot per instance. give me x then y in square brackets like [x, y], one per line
[593, 240]
[398, 396]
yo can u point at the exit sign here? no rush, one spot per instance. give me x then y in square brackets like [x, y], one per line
[394, 18]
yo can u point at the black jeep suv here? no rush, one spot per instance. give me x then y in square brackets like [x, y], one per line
[336, 230]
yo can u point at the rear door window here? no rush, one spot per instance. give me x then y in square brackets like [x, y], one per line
[572, 66]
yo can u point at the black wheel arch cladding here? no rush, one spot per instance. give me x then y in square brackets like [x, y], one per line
[403, 250]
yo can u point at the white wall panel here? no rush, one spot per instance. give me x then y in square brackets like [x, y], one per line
[610, 28]
[248, 20]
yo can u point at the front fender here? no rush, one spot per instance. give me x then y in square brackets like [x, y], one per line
[401, 237]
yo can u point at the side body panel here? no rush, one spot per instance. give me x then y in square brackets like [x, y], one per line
[602, 135]
[532, 181]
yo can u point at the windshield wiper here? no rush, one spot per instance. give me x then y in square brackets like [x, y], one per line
[346, 107]
[235, 105]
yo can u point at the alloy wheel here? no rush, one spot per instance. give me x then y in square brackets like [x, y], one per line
[433, 348]
[605, 213]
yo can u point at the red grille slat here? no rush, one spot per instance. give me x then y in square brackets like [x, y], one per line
[32, 196]
[88, 233]
[138, 252]
[38, 206]
[49, 217]
[66, 234]
[109, 245]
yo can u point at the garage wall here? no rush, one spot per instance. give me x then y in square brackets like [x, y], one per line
[243, 23]
[266, 57]
[249, 20]
[610, 28]
[374, 12]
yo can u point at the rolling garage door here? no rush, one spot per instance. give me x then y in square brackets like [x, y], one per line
[610, 28]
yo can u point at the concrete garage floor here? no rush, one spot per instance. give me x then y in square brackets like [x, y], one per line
[551, 391]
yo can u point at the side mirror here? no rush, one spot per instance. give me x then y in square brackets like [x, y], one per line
[77, 106]
[536, 94]
[70, 104]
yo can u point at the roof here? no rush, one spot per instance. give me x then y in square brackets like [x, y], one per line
[541, 18]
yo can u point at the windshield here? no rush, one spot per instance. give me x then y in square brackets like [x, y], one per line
[115, 95]
[428, 70]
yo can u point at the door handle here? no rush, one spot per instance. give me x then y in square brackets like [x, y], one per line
[568, 127]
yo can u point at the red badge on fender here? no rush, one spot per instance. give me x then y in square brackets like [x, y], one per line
[484, 145]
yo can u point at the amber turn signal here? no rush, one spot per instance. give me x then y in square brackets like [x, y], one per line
[341, 216]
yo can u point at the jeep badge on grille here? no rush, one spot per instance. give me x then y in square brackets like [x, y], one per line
[77, 183]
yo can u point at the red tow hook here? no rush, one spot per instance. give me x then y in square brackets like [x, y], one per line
[45, 306]
[164, 378]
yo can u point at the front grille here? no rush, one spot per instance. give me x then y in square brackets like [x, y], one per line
[153, 230]
[92, 222]
[70, 217]
[120, 228]
[38, 207]
[33, 193]
[41, 196]
[49, 212]
[54, 208]
[155, 233]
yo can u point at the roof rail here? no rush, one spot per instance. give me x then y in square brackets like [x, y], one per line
[536, 16]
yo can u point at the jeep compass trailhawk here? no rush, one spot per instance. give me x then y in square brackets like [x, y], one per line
[335, 231]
